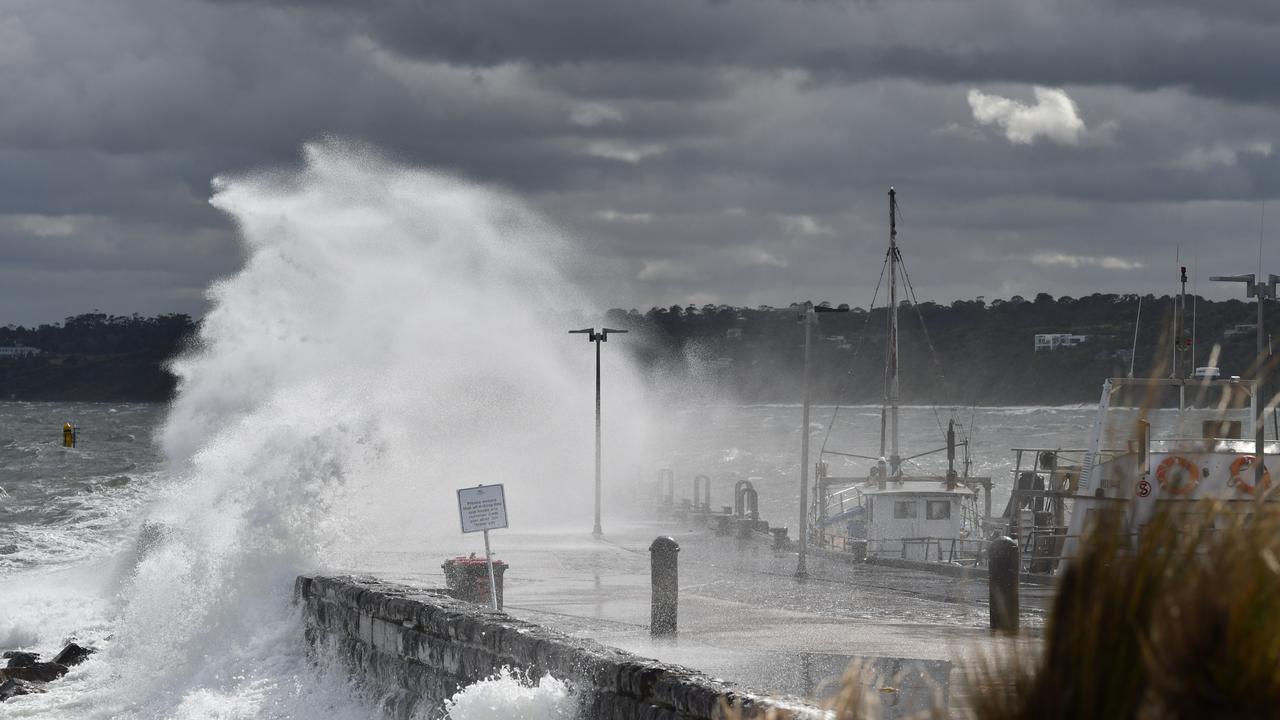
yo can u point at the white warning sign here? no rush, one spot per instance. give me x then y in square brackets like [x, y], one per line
[483, 507]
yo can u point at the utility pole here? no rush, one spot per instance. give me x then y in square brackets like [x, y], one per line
[1261, 291]
[808, 316]
[597, 338]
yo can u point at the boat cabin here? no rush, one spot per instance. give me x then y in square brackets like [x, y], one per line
[903, 517]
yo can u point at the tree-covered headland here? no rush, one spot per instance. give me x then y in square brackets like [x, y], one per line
[93, 357]
[969, 352]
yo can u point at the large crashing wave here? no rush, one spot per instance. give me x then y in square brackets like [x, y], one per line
[394, 334]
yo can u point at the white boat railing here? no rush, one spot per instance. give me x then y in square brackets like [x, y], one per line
[843, 500]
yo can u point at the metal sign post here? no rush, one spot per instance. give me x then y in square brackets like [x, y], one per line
[481, 509]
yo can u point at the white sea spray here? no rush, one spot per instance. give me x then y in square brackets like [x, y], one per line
[394, 334]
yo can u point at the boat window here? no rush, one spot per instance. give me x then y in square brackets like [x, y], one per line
[938, 510]
[904, 509]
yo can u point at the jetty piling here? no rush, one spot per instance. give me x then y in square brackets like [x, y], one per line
[702, 493]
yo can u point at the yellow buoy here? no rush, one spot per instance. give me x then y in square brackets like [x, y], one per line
[68, 435]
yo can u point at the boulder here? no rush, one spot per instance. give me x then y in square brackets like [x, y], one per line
[36, 672]
[13, 688]
[17, 658]
[73, 654]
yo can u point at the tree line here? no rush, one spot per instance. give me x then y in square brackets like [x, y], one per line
[94, 357]
[966, 353]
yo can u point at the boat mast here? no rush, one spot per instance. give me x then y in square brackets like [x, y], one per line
[891, 365]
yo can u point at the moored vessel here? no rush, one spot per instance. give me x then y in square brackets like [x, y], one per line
[1145, 457]
[890, 511]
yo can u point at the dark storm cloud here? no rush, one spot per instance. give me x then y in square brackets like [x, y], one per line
[1225, 51]
[733, 151]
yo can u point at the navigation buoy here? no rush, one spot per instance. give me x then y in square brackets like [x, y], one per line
[68, 435]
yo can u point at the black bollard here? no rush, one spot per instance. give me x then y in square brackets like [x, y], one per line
[665, 578]
[1003, 578]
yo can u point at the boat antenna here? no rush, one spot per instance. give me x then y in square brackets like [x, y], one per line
[1262, 379]
[1137, 323]
[1184, 342]
[1173, 358]
[1179, 320]
[891, 364]
[1195, 301]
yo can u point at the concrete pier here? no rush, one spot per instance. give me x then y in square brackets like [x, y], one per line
[411, 650]
[745, 618]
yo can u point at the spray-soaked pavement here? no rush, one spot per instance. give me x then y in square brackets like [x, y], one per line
[742, 614]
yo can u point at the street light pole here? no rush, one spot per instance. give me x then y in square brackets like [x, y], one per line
[1261, 290]
[809, 317]
[597, 338]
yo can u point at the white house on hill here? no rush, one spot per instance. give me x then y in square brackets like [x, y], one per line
[1053, 341]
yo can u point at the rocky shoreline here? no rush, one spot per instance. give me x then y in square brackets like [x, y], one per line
[25, 674]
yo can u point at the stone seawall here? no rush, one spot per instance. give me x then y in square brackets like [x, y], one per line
[416, 648]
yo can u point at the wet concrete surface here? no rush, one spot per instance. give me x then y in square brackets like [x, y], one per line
[743, 615]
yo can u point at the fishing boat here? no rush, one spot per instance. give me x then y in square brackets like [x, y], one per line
[1156, 445]
[891, 512]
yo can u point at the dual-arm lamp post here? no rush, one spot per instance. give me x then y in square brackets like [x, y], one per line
[1261, 291]
[597, 338]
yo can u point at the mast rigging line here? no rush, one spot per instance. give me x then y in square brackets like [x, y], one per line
[933, 352]
[844, 381]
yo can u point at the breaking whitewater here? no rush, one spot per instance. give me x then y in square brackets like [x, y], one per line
[384, 343]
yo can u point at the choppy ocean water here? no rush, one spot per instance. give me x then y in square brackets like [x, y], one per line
[71, 567]
[59, 505]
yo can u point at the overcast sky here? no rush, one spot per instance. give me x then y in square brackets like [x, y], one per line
[727, 151]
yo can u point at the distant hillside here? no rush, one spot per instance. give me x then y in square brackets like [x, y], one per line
[982, 353]
[968, 352]
[93, 357]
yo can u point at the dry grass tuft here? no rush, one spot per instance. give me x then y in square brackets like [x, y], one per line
[1184, 623]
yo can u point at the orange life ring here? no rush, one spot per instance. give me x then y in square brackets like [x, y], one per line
[1242, 484]
[1175, 485]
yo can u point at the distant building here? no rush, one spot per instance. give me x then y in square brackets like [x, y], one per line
[14, 351]
[1053, 341]
[1241, 329]
[733, 333]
